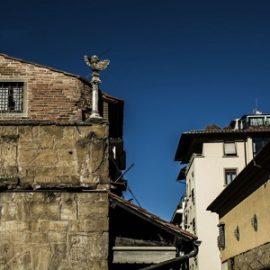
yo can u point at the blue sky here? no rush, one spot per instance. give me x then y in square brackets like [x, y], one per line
[177, 64]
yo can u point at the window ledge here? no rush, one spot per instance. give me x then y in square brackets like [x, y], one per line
[23, 114]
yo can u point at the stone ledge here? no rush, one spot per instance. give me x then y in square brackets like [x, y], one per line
[54, 189]
[50, 123]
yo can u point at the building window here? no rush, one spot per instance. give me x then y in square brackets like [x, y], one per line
[194, 225]
[186, 220]
[11, 97]
[193, 196]
[258, 144]
[221, 236]
[230, 174]
[267, 121]
[230, 149]
[256, 121]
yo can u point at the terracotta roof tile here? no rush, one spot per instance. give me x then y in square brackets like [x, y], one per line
[229, 130]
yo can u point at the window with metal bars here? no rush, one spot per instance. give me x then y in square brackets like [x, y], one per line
[11, 97]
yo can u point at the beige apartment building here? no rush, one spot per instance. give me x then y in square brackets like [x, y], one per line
[243, 209]
[213, 158]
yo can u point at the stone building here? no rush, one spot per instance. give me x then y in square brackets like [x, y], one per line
[56, 168]
[61, 173]
[243, 209]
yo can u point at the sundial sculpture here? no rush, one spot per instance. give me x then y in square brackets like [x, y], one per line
[96, 65]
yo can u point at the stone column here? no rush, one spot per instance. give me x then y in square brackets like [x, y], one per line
[95, 83]
[96, 66]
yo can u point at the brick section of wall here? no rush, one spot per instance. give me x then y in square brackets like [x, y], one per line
[53, 230]
[54, 156]
[49, 95]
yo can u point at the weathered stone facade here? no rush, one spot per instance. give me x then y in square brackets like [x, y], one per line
[55, 171]
[53, 230]
[54, 156]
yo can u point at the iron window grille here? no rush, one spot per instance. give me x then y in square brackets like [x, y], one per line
[11, 97]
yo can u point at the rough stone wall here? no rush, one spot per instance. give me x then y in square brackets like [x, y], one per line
[53, 230]
[49, 94]
[54, 156]
[256, 259]
[47, 154]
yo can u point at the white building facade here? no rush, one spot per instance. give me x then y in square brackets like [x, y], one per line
[214, 157]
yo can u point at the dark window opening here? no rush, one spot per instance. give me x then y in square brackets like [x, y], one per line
[194, 225]
[193, 196]
[11, 97]
[230, 174]
[258, 144]
[115, 120]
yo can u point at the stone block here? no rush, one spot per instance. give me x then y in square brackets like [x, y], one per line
[6, 251]
[45, 210]
[92, 225]
[69, 210]
[56, 236]
[50, 132]
[58, 226]
[8, 131]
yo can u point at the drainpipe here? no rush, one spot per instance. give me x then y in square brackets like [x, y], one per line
[245, 149]
[176, 261]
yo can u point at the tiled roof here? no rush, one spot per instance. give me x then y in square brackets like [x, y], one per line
[186, 143]
[177, 231]
[229, 130]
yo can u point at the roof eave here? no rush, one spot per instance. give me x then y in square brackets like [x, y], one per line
[132, 209]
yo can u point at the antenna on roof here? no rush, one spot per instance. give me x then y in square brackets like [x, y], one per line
[256, 110]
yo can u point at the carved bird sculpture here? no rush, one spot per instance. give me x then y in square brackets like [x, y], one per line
[95, 63]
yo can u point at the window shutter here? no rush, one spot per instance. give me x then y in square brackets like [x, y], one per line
[229, 148]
